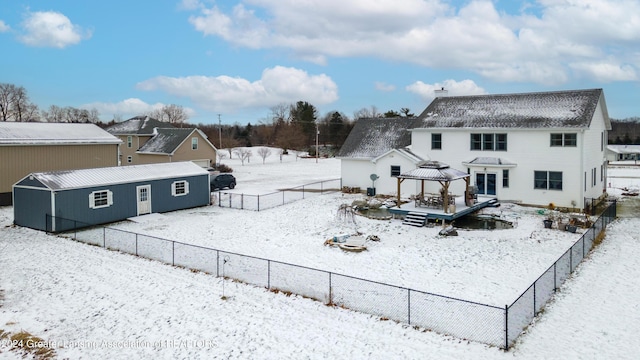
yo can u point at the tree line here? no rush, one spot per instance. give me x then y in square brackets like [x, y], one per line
[625, 131]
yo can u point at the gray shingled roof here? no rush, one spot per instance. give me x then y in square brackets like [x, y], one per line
[138, 125]
[558, 109]
[166, 141]
[371, 137]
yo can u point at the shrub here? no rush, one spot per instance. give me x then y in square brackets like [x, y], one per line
[224, 168]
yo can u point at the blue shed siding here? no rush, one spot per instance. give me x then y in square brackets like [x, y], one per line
[37, 205]
[72, 208]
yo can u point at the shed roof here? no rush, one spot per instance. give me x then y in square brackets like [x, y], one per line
[138, 125]
[624, 149]
[556, 109]
[371, 137]
[84, 178]
[37, 133]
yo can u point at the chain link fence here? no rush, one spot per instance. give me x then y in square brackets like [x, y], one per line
[278, 198]
[470, 320]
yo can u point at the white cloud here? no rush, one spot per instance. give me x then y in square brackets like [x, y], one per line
[51, 29]
[128, 108]
[384, 86]
[538, 44]
[453, 88]
[4, 27]
[606, 71]
[225, 93]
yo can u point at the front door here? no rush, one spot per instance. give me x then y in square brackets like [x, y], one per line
[144, 199]
[486, 183]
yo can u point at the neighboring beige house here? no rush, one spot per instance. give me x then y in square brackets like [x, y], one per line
[42, 147]
[148, 141]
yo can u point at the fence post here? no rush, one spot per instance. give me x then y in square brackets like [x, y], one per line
[173, 253]
[303, 191]
[104, 236]
[555, 277]
[534, 298]
[409, 306]
[283, 196]
[136, 244]
[330, 290]
[242, 201]
[268, 274]
[506, 327]
[258, 202]
[217, 263]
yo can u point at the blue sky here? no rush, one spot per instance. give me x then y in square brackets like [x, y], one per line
[240, 59]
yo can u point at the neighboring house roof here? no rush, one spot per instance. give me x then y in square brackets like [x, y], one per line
[167, 140]
[624, 149]
[84, 178]
[371, 137]
[138, 125]
[558, 109]
[37, 133]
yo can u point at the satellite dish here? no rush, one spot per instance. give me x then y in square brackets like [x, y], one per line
[374, 177]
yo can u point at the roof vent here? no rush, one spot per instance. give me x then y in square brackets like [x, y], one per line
[442, 92]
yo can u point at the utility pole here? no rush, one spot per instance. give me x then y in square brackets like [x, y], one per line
[220, 131]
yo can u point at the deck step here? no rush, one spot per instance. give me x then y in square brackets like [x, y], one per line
[415, 219]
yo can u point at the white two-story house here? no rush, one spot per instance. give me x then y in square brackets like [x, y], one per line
[531, 148]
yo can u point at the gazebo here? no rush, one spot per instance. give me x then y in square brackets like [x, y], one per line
[436, 171]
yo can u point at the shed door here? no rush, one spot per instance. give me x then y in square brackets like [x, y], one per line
[144, 199]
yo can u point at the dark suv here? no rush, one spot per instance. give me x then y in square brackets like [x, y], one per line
[221, 181]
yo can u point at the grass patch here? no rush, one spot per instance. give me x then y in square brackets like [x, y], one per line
[30, 345]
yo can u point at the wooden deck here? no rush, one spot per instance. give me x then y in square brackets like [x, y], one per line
[432, 213]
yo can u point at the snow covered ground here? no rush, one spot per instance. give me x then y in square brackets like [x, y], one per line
[102, 304]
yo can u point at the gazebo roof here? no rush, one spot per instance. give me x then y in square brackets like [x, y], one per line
[434, 171]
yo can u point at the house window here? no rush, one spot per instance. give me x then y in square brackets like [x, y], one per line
[547, 180]
[594, 173]
[100, 199]
[129, 141]
[489, 142]
[395, 170]
[436, 141]
[501, 142]
[505, 178]
[179, 188]
[194, 143]
[129, 159]
[565, 139]
[476, 141]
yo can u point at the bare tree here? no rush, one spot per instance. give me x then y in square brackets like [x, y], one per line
[54, 115]
[371, 112]
[242, 154]
[172, 113]
[15, 104]
[264, 152]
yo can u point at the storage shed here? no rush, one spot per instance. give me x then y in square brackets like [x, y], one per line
[64, 200]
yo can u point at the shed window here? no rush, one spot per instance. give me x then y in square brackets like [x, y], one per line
[194, 143]
[100, 199]
[179, 188]
[395, 170]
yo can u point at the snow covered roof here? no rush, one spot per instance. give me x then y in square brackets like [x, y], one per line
[624, 149]
[490, 161]
[371, 137]
[558, 109]
[83, 178]
[138, 125]
[166, 141]
[434, 171]
[37, 133]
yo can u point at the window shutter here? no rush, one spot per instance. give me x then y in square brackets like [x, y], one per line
[92, 201]
[109, 197]
[173, 188]
[186, 187]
